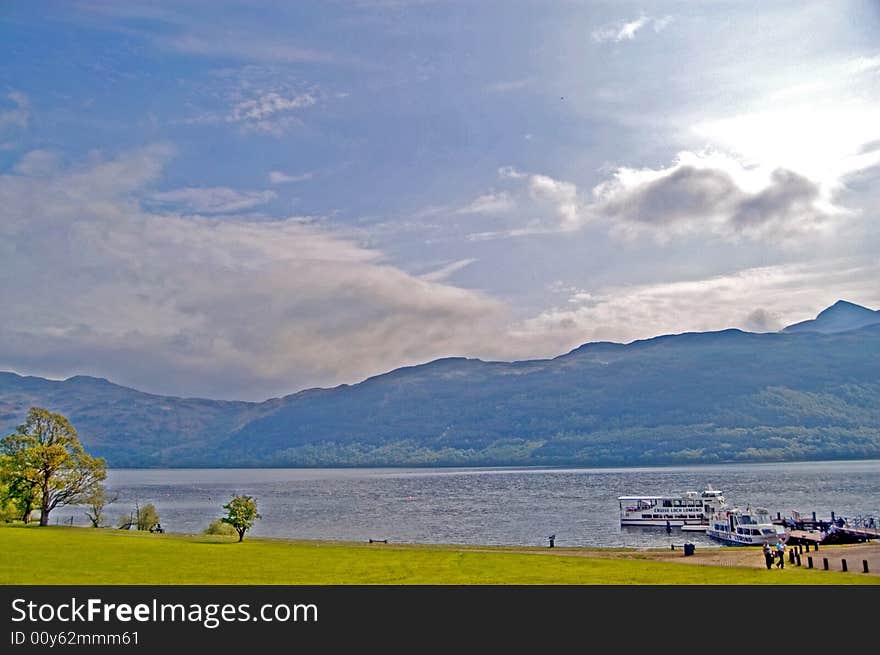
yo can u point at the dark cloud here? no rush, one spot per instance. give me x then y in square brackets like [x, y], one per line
[761, 320]
[685, 194]
[687, 197]
[790, 198]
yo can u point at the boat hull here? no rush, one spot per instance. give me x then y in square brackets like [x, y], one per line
[660, 523]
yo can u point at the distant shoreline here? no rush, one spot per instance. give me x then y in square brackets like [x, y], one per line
[513, 467]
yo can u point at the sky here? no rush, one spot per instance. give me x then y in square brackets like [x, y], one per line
[241, 200]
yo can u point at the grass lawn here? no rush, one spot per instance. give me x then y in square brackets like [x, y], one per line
[58, 555]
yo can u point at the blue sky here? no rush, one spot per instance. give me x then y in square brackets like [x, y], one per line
[240, 200]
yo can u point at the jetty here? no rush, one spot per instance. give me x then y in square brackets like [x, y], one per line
[833, 530]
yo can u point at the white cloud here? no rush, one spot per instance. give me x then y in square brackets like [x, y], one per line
[37, 162]
[815, 126]
[864, 64]
[562, 196]
[214, 200]
[708, 193]
[259, 109]
[627, 30]
[270, 112]
[444, 272]
[794, 292]
[488, 204]
[712, 193]
[17, 116]
[207, 306]
[280, 177]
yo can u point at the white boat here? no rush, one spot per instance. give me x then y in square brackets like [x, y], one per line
[691, 508]
[745, 527]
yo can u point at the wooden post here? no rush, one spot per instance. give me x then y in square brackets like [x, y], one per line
[816, 546]
[865, 565]
[825, 563]
[809, 562]
[843, 565]
[798, 558]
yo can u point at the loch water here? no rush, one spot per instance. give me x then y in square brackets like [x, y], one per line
[497, 505]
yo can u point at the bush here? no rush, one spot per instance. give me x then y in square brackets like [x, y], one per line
[147, 517]
[219, 527]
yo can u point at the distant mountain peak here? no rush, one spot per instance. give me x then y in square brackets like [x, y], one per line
[839, 317]
[845, 306]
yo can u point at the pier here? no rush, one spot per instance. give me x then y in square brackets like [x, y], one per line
[833, 530]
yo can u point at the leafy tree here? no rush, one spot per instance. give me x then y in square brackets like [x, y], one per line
[241, 512]
[147, 517]
[9, 511]
[19, 494]
[96, 501]
[46, 463]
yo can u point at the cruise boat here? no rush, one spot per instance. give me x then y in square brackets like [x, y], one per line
[691, 508]
[745, 527]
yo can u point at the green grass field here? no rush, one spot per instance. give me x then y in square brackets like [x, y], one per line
[56, 555]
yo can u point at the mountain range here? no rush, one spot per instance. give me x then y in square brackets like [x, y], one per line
[809, 391]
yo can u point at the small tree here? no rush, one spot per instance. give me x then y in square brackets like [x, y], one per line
[241, 512]
[147, 517]
[96, 501]
[142, 518]
[45, 461]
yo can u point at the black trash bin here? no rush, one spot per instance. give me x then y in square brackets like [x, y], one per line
[688, 549]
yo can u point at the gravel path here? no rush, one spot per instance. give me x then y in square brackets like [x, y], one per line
[752, 557]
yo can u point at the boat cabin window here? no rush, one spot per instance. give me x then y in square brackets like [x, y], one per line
[667, 503]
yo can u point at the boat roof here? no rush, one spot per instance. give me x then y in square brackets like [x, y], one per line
[683, 496]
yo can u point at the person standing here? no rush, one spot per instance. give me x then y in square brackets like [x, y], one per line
[780, 553]
[768, 556]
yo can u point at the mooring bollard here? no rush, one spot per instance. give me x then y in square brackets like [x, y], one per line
[809, 562]
[825, 563]
[843, 565]
[865, 565]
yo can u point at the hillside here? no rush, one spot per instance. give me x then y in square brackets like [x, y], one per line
[696, 397]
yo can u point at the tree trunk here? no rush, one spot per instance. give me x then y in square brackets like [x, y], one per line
[44, 506]
[240, 536]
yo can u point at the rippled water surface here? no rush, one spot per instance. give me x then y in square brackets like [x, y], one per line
[480, 505]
